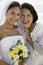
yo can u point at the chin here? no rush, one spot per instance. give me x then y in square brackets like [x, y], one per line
[27, 27]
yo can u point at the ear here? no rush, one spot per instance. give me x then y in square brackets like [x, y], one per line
[6, 14]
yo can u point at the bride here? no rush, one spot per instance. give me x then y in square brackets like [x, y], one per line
[9, 32]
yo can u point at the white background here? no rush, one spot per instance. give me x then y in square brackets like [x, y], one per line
[38, 5]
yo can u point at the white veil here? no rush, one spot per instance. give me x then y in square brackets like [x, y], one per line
[20, 28]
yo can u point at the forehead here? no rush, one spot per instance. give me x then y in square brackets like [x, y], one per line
[14, 9]
[26, 11]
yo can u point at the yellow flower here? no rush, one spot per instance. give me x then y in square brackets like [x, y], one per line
[15, 50]
[21, 47]
[16, 57]
[11, 54]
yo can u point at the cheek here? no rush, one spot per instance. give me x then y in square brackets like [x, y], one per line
[30, 19]
[30, 23]
[27, 25]
[8, 17]
[22, 19]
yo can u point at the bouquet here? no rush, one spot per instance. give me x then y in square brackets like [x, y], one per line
[18, 53]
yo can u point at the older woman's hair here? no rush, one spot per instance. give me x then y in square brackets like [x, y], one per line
[32, 10]
[14, 4]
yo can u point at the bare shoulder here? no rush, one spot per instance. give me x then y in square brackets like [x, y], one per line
[2, 27]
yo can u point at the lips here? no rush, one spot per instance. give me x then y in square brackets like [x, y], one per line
[14, 22]
[25, 22]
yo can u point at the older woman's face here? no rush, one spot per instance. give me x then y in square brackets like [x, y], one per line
[26, 18]
[13, 15]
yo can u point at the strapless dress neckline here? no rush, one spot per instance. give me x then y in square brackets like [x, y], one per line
[6, 43]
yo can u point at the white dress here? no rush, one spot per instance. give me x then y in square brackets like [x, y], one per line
[37, 37]
[8, 42]
[37, 32]
[36, 57]
[5, 44]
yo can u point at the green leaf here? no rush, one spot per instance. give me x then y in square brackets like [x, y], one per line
[19, 42]
[11, 49]
[22, 59]
[20, 52]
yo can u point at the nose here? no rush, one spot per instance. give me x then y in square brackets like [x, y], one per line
[25, 18]
[15, 17]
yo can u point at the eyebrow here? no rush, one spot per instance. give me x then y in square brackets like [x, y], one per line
[12, 10]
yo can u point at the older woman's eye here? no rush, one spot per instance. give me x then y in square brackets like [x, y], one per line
[22, 15]
[12, 13]
[28, 15]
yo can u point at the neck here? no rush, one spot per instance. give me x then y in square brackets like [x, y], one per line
[32, 27]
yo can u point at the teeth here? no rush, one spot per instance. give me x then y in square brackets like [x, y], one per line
[15, 23]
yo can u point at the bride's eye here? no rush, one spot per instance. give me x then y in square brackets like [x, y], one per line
[12, 13]
[18, 14]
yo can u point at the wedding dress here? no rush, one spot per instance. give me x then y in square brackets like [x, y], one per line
[6, 43]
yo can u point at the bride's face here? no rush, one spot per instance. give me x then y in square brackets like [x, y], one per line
[13, 15]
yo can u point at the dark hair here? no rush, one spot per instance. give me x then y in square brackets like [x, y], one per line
[14, 4]
[32, 10]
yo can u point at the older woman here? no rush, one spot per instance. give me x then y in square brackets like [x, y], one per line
[33, 32]
[28, 18]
